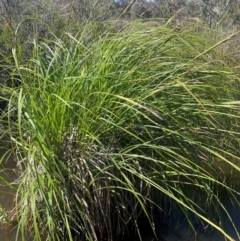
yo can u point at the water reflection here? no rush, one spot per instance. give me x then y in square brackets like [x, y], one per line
[177, 227]
[203, 232]
[7, 172]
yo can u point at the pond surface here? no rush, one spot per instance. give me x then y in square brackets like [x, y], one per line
[7, 172]
[176, 227]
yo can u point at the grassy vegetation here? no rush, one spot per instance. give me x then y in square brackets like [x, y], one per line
[108, 123]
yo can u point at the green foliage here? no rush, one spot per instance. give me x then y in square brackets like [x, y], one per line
[112, 118]
[4, 217]
[109, 123]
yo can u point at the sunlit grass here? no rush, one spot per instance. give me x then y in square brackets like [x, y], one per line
[108, 125]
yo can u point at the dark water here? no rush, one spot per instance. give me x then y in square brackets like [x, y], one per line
[175, 228]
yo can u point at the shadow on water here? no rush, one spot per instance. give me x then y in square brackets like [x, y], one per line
[177, 228]
[171, 223]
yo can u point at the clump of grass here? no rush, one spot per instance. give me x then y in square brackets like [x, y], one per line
[108, 126]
